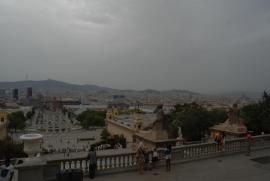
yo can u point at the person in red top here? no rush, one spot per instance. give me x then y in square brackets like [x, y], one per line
[248, 140]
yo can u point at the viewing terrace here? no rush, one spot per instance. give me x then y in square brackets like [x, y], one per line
[214, 164]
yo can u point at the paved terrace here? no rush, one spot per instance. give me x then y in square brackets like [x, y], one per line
[195, 162]
[234, 168]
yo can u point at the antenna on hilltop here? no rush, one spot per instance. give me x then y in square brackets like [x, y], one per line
[26, 77]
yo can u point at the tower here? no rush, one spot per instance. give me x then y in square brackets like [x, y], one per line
[29, 93]
[15, 94]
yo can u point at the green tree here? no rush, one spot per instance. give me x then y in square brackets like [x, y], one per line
[257, 116]
[29, 115]
[105, 134]
[195, 120]
[11, 150]
[90, 118]
[16, 120]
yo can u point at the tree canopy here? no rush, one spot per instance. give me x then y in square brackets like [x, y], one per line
[195, 120]
[16, 120]
[90, 118]
[8, 149]
[257, 116]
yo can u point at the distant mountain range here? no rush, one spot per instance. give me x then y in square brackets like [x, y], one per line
[51, 85]
[59, 86]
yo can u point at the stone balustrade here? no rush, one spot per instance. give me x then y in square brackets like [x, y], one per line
[179, 154]
[127, 161]
[113, 162]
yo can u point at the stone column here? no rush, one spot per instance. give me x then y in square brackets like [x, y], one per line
[31, 171]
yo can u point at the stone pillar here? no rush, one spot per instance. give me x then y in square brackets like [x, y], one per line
[31, 171]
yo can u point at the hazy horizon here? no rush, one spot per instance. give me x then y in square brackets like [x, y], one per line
[208, 46]
[183, 89]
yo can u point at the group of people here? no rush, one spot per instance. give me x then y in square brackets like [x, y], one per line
[147, 158]
[220, 140]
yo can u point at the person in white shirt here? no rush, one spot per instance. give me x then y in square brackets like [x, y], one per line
[7, 171]
[154, 158]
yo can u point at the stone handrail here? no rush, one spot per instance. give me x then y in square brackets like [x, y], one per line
[127, 161]
[104, 162]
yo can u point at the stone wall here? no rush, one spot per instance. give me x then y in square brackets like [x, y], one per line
[115, 128]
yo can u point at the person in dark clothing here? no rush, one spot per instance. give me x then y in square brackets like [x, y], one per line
[155, 158]
[147, 159]
[6, 171]
[92, 157]
[248, 140]
[168, 156]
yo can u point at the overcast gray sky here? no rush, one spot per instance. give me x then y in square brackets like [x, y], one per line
[200, 45]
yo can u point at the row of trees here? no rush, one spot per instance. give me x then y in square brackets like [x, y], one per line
[17, 120]
[257, 116]
[91, 118]
[195, 120]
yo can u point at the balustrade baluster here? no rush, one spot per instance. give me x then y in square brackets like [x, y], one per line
[86, 166]
[69, 164]
[133, 160]
[205, 151]
[63, 165]
[123, 160]
[110, 162]
[101, 163]
[114, 162]
[80, 164]
[231, 148]
[192, 152]
[119, 161]
[200, 151]
[105, 162]
[128, 160]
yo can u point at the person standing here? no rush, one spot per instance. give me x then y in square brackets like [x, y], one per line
[248, 140]
[155, 157]
[223, 141]
[146, 159]
[140, 157]
[7, 171]
[218, 140]
[92, 157]
[168, 156]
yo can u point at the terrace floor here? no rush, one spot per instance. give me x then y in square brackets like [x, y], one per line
[237, 167]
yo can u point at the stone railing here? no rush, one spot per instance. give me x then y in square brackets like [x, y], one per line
[118, 162]
[105, 163]
[179, 154]
[208, 150]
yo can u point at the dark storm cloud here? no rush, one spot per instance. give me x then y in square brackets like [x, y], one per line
[202, 45]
